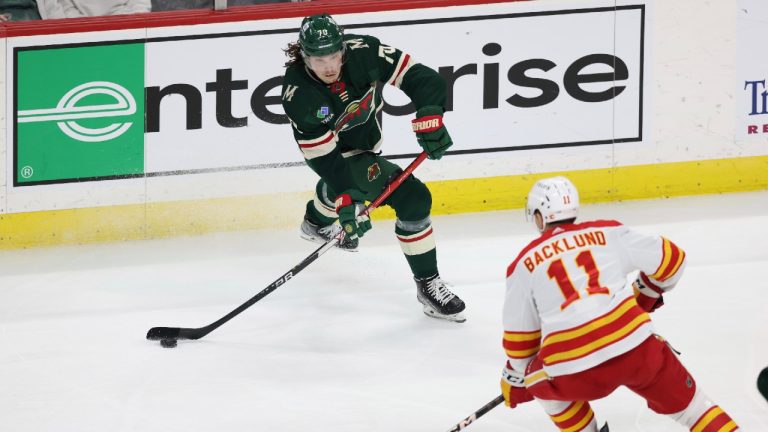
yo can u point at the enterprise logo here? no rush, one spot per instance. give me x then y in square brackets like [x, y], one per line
[68, 111]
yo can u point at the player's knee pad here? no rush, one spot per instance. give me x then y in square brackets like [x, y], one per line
[412, 201]
[413, 226]
[703, 415]
[415, 237]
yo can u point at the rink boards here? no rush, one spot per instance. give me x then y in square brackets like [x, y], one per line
[136, 136]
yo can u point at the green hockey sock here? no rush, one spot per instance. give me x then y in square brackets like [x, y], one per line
[316, 217]
[423, 265]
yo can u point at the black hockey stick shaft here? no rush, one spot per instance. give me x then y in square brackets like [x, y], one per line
[159, 333]
[477, 414]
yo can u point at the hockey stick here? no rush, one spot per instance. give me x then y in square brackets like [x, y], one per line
[175, 333]
[477, 414]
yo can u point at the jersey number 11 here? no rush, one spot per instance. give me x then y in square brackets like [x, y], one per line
[584, 260]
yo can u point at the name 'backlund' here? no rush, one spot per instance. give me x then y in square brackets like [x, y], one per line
[556, 247]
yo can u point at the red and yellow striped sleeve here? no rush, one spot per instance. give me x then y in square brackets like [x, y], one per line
[522, 345]
[671, 261]
[594, 335]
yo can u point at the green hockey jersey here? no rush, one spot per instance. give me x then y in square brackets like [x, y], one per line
[334, 121]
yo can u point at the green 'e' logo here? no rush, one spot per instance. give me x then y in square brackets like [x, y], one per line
[80, 113]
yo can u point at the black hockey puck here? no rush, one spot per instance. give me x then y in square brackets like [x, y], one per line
[168, 343]
[762, 383]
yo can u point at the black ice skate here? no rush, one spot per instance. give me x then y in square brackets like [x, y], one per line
[438, 300]
[312, 232]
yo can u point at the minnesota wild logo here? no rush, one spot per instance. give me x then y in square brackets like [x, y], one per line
[357, 112]
[373, 172]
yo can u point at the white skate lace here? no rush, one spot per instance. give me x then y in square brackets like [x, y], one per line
[438, 291]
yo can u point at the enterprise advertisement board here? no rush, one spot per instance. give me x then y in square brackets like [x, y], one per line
[520, 76]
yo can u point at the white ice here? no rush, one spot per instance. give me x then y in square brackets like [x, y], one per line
[344, 346]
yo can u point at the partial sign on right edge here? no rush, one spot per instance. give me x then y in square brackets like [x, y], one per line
[752, 70]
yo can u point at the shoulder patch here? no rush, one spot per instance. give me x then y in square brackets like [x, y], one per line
[324, 114]
[289, 92]
[356, 43]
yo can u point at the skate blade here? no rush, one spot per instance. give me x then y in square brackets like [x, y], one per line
[319, 240]
[457, 317]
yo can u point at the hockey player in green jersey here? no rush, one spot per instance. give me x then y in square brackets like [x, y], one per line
[331, 97]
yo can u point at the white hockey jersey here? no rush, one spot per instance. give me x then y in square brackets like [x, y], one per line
[567, 300]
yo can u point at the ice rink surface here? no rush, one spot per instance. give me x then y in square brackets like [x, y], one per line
[344, 346]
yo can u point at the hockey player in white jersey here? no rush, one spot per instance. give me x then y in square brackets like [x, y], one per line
[574, 333]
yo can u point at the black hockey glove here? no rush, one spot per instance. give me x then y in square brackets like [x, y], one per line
[431, 134]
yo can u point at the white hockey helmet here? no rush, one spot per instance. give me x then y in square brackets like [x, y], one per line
[556, 198]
